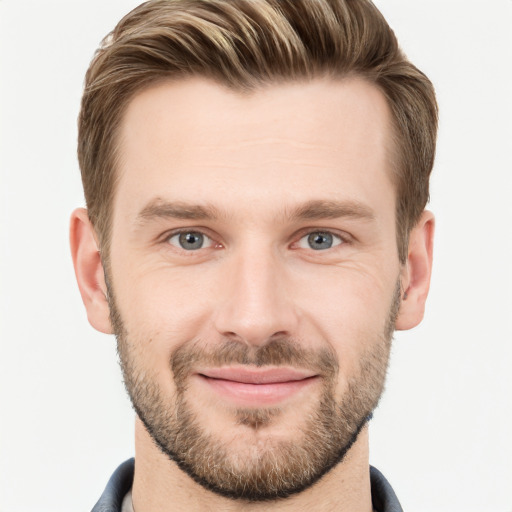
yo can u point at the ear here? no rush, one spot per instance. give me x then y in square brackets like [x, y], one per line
[89, 270]
[416, 272]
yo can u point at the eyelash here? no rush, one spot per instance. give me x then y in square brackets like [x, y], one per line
[342, 238]
[198, 231]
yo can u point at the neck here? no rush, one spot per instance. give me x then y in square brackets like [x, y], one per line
[160, 485]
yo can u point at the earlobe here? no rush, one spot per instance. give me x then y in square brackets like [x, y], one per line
[416, 273]
[89, 270]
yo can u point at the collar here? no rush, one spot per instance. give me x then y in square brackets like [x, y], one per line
[383, 497]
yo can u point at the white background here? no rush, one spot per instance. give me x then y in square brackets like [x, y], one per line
[443, 432]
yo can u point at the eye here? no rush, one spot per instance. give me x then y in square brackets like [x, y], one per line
[319, 241]
[190, 240]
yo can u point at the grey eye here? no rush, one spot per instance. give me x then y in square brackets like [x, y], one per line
[319, 241]
[189, 240]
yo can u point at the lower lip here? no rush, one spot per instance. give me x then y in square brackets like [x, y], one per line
[257, 394]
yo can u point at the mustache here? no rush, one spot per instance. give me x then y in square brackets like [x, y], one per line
[276, 352]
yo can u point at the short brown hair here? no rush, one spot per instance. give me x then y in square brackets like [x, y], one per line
[243, 44]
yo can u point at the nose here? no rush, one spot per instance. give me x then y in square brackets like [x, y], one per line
[256, 303]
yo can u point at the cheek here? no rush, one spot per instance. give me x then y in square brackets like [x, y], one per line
[164, 308]
[159, 314]
[351, 313]
[159, 296]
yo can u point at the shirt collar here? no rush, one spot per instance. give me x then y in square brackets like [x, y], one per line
[383, 497]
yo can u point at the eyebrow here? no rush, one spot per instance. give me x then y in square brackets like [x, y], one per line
[322, 209]
[160, 209]
[316, 209]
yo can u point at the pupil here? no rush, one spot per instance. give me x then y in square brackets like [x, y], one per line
[318, 241]
[191, 240]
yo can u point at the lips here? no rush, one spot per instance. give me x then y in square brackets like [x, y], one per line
[257, 375]
[258, 386]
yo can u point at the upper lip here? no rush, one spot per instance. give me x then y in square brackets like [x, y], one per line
[257, 375]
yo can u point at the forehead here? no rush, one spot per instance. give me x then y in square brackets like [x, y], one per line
[193, 139]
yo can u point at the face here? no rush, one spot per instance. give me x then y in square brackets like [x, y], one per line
[254, 277]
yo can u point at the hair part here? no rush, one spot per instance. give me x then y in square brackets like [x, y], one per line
[244, 44]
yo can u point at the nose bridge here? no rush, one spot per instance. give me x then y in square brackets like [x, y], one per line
[256, 304]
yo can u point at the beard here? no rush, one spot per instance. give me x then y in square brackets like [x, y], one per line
[268, 467]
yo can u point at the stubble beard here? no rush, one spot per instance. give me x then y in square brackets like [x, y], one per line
[270, 468]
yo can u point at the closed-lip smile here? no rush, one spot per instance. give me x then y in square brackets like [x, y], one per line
[254, 386]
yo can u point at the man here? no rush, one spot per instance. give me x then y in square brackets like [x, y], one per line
[256, 173]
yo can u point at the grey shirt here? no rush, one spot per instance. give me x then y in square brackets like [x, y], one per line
[117, 494]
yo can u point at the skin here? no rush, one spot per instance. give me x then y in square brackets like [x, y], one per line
[254, 161]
